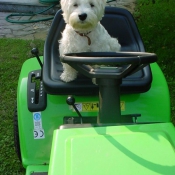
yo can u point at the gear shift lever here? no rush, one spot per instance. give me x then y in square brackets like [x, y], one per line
[71, 101]
[35, 52]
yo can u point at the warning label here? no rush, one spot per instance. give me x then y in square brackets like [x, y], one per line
[87, 106]
[122, 105]
[92, 106]
[38, 131]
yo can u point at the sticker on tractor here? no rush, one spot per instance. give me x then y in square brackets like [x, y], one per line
[38, 134]
[122, 105]
[38, 131]
[92, 106]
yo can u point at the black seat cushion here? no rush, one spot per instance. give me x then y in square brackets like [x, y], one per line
[120, 24]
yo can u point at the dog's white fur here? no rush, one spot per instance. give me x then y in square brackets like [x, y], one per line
[72, 42]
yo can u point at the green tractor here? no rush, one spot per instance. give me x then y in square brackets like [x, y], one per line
[119, 126]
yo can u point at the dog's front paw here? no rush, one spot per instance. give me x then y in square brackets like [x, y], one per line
[68, 77]
[94, 81]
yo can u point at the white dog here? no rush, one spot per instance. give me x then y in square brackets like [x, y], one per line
[83, 31]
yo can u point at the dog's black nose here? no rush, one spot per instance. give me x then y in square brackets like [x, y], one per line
[83, 16]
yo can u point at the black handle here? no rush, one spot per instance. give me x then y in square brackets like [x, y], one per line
[35, 52]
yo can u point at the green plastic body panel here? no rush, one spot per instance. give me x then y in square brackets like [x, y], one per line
[146, 149]
[154, 106]
[36, 169]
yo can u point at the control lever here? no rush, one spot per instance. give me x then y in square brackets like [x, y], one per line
[71, 101]
[35, 52]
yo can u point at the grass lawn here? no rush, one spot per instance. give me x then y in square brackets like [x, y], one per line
[156, 22]
[13, 53]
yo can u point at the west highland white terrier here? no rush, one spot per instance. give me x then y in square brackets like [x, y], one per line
[83, 32]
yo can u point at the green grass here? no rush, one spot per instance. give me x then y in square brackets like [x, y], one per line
[156, 22]
[13, 53]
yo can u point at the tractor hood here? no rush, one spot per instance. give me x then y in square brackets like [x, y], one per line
[146, 149]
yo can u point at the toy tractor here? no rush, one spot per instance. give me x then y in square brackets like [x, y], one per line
[119, 126]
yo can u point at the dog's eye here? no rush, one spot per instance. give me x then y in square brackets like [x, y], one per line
[92, 5]
[75, 5]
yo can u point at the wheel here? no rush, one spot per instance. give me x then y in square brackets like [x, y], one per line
[127, 63]
[16, 134]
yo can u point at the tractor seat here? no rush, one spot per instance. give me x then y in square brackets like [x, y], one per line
[120, 24]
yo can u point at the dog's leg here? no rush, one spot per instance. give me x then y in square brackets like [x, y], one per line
[69, 74]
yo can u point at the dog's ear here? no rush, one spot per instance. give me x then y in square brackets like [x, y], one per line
[64, 7]
[103, 4]
[63, 4]
[101, 8]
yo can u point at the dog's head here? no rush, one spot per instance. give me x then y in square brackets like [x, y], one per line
[83, 15]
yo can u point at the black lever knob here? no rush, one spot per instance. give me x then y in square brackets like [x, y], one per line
[70, 100]
[35, 52]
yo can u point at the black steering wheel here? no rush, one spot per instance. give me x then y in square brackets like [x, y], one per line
[108, 64]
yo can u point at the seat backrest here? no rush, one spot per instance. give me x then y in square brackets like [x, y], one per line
[120, 24]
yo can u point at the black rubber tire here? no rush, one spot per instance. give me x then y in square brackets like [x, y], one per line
[16, 134]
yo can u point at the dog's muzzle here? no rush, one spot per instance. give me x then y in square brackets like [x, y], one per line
[82, 16]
